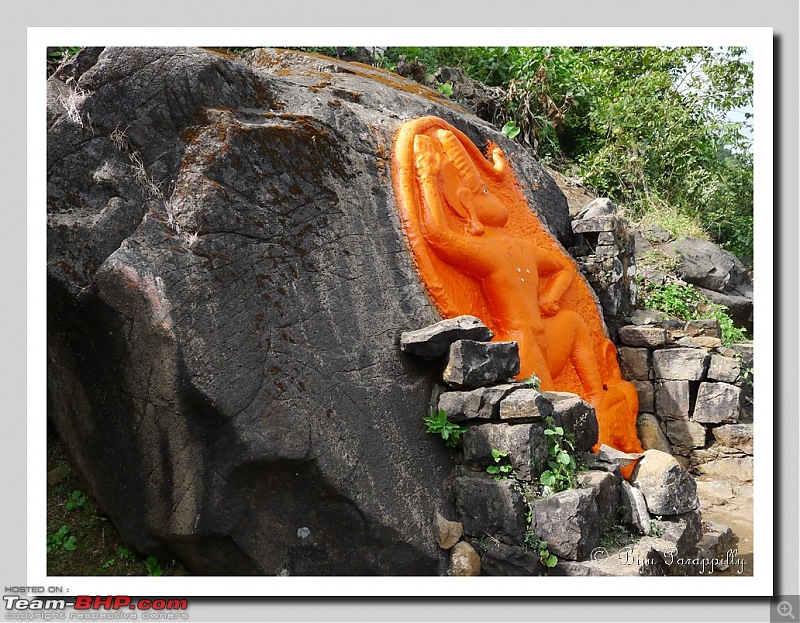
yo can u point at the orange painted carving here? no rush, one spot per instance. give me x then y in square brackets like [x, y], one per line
[480, 250]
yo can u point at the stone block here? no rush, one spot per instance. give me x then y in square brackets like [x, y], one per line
[577, 417]
[606, 251]
[635, 363]
[680, 364]
[724, 369]
[641, 336]
[594, 224]
[482, 403]
[526, 445]
[667, 487]
[737, 436]
[646, 393]
[433, 341]
[489, 507]
[570, 523]
[717, 403]
[651, 434]
[472, 364]
[606, 487]
[525, 405]
[685, 435]
[634, 508]
[672, 399]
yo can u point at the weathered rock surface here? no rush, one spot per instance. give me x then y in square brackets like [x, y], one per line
[471, 364]
[577, 417]
[680, 364]
[227, 286]
[511, 560]
[717, 403]
[634, 362]
[525, 405]
[634, 508]
[569, 521]
[651, 435]
[667, 487]
[672, 399]
[482, 403]
[738, 436]
[447, 532]
[433, 341]
[725, 369]
[525, 443]
[493, 507]
[649, 337]
[464, 560]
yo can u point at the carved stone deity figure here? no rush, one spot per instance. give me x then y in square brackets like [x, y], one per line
[480, 250]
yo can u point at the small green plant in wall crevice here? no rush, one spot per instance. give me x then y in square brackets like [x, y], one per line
[532, 542]
[563, 469]
[438, 423]
[501, 468]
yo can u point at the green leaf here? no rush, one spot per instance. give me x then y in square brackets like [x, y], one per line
[510, 130]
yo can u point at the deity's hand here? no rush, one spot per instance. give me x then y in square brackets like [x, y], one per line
[548, 308]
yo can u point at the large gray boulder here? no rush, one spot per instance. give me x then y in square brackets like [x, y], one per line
[227, 286]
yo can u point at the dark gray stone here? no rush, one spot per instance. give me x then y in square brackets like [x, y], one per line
[602, 206]
[646, 394]
[672, 399]
[577, 417]
[635, 363]
[667, 487]
[680, 364]
[717, 403]
[569, 521]
[594, 224]
[482, 403]
[740, 308]
[525, 443]
[433, 341]
[704, 264]
[643, 336]
[500, 559]
[489, 507]
[644, 317]
[525, 405]
[472, 364]
[606, 487]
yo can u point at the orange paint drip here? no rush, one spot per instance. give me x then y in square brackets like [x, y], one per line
[480, 250]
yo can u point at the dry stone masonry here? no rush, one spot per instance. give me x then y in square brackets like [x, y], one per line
[695, 396]
[501, 522]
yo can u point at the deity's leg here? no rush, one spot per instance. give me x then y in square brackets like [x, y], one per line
[568, 340]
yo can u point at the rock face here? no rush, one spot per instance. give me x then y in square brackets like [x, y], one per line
[227, 287]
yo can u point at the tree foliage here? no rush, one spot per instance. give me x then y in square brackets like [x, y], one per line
[648, 127]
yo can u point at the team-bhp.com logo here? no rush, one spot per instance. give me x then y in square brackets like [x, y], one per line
[94, 607]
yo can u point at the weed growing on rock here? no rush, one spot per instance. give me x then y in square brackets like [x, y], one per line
[657, 527]
[532, 542]
[683, 301]
[563, 468]
[500, 469]
[438, 423]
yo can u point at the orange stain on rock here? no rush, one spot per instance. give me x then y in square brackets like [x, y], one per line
[480, 250]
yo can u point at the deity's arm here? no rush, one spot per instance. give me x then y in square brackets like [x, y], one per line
[561, 274]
